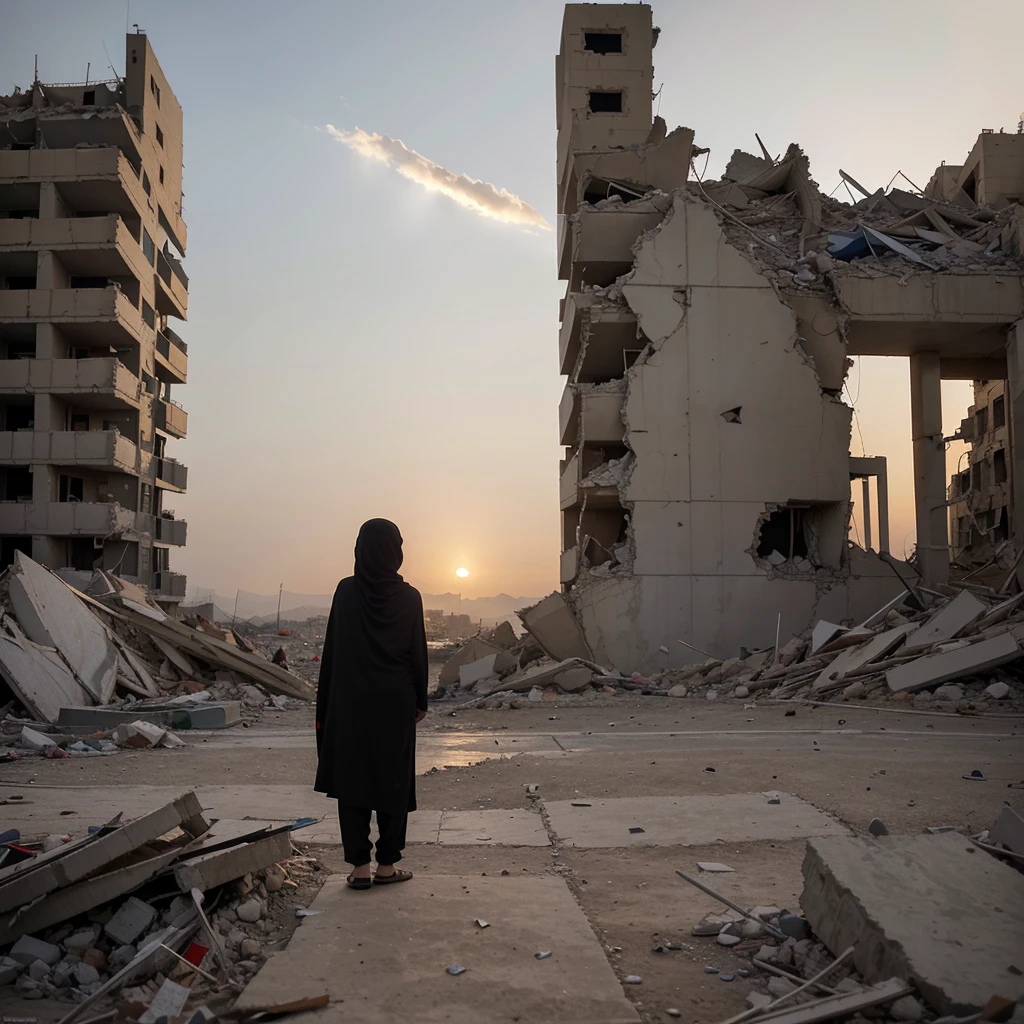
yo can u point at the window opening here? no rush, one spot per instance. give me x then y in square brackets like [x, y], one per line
[159, 137]
[602, 42]
[89, 98]
[998, 412]
[606, 102]
[70, 488]
[999, 465]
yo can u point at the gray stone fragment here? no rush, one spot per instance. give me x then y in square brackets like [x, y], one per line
[949, 691]
[27, 949]
[725, 939]
[81, 940]
[877, 827]
[906, 1008]
[121, 956]
[9, 970]
[133, 917]
[38, 971]
[758, 1000]
[85, 975]
[792, 926]
[780, 987]
[679, 690]
[741, 691]
[250, 911]
[997, 691]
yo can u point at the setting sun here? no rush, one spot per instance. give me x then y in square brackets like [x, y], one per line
[462, 573]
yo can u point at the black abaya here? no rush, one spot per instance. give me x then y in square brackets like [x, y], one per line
[373, 679]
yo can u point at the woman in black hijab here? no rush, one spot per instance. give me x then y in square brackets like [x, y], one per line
[371, 696]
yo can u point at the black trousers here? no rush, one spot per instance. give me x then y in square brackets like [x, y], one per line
[355, 835]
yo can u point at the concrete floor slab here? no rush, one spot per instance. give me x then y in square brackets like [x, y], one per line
[686, 820]
[933, 909]
[383, 956]
[515, 827]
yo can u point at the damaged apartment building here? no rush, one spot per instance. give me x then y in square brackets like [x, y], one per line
[91, 241]
[707, 486]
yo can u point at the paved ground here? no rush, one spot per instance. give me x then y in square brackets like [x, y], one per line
[638, 758]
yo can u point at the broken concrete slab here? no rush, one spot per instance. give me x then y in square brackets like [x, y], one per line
[130, 920]
[946, 665]
[1008, 831]
[952, 618]
[686, 820]
[823, 633]
[474, 650]
[484, 668]
[38, 678]
[208, 870]
[853, 658]
[921, 908]
[51, 616]
[539, 675]
[553, 625]
[206, 714]
[381, 981]
[22, 883]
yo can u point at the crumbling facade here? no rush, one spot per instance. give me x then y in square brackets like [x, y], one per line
[91, 240]
[706, 487]
[980, 491]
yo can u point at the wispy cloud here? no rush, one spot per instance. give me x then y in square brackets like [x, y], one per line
[479, 196]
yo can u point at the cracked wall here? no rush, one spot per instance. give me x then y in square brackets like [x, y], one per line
[721, 337]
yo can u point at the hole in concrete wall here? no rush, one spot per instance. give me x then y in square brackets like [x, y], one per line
[17, 483]
[89, 98]
[999, 465]
[1001, 526]
[976, 476]
[21, 283]
[82, 281]
[964, 482]
[733, 415]
[783, 532]
[811, 535]
[598, 189]
[606, 102]
[998, 412]
[602, 42]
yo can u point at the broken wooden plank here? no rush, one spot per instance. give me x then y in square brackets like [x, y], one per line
[47, 872]
[947, 622]
[208, 870]
[948, 665]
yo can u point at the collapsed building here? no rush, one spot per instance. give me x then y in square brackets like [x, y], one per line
[91, 240]
[979, 492]
[706, 332]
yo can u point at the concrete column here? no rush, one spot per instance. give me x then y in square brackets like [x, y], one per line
[1015, 423]
[929, 467]
[866, 515]
[882, 494]
[50, 206]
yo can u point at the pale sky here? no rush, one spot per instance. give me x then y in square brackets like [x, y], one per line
[359, 346]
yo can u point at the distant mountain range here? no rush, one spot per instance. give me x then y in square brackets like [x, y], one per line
[262, 608]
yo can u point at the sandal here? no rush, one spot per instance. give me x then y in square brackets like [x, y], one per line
[396, 876]
[358, 883]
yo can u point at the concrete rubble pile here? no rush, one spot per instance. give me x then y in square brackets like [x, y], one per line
[897, 928]
[956, 649]
[166, 912]
[550, 660]
[104, 664]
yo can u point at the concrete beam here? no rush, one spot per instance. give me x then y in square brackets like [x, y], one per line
[929, 467]
[992, 368]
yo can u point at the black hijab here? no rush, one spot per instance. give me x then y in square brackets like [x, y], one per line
[380, 588]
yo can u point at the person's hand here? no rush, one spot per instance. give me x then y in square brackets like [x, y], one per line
[420, 715]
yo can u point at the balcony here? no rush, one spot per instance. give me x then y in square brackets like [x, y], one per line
[66, 519]
[97, 315]
[171, 358]
[171, 475]
[89, 178]
[102, 449]
[103, 383]
[596, 246]
[606, 332]
[92, 246]
[165, 532]
[170, 418]
[169, 586]
[570, 487]
[589, 416]
[171, 287]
